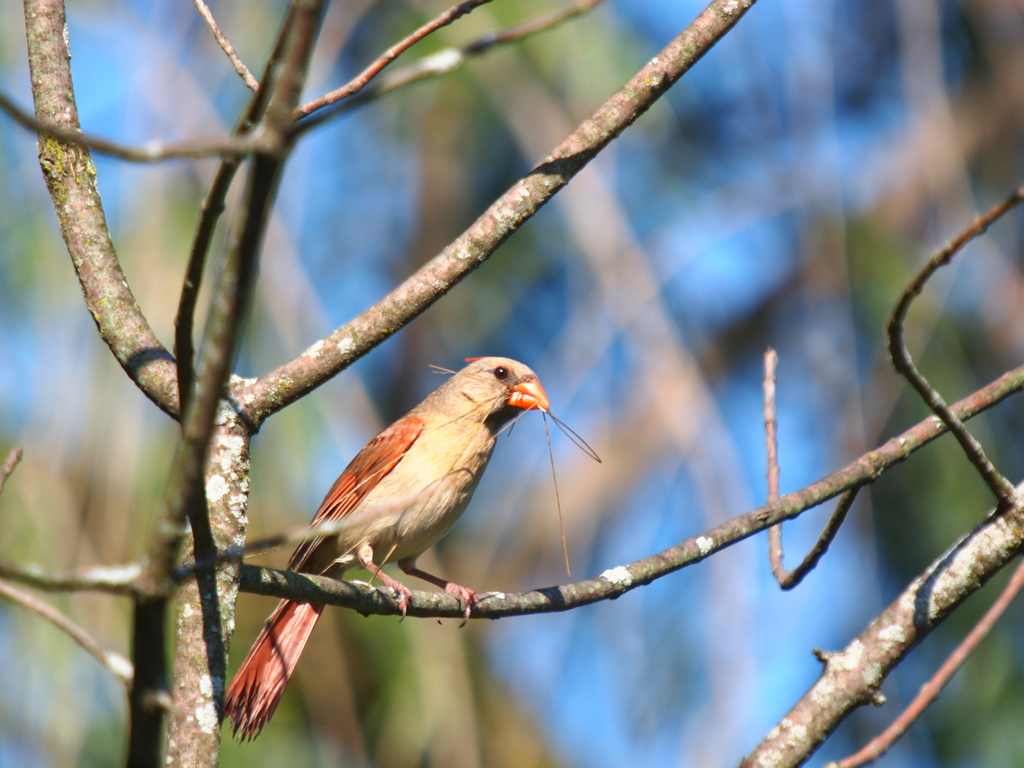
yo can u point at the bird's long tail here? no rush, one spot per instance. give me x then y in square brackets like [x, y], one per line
[259, 683]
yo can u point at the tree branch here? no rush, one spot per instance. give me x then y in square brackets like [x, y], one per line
[789, 579]
[361, 80]
[529, 27]
[225, 45]
[867, 468]
[201, 656]
[771, 441]
[71, 180]
[930, 691]
[776, 553]
[204, 625]
[154, 151]
[116, 579]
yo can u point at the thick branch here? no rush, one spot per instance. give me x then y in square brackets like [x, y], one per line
[337, 351]
[201, 656]
[930, 691]
[206, 606]
[71, 179]
[852, 677]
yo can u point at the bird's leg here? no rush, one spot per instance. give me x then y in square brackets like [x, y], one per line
[464, 595]
[365, 556]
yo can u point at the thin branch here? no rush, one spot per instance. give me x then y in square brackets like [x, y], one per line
[184, 320]
[616, 581]
[447, 60]
[771, 440]
[931, 690]
[152, 152]
[791, 578]
[13, 457]
[115, 579]
[776, 553]
[116, 664]
[213, 206]
[529, 27]
[185, 497]
[230, 301]
[225, 45]
[999, 485]
[361, 80]
[337, 351]
[148, 690]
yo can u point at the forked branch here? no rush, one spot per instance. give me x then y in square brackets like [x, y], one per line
[776, 554]
[904, 364]
[361, 80]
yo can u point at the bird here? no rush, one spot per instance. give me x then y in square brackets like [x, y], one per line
[401, 494]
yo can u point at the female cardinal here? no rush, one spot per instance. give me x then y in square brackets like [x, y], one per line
[403, 492]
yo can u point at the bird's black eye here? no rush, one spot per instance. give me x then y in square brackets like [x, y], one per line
[501, 373]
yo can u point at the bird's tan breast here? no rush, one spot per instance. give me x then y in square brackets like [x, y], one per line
[425, 494]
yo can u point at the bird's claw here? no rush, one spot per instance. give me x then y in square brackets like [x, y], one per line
[466, 597]
[403, 593]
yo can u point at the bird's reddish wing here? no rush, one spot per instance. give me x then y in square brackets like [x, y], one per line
[377, 458]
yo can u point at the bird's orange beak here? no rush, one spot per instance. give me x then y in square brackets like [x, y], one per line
[529, 395]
